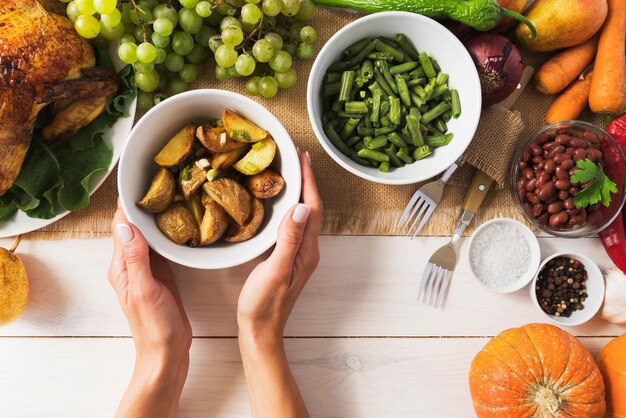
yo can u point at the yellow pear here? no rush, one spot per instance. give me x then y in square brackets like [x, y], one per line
[13, 285]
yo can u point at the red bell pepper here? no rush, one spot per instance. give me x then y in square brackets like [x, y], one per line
[614, 237]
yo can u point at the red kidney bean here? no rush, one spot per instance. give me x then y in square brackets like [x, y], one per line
[546, 191]
[522, 165]
[532, 198]
[538, 159]
[563, 194]
[594, 154]
[561, 174]
[594, 218]
[542, 178]
[555, 151]
[521, 182]
[528, 173]
[560, 158]
[558, 219]
[580, 154]
[537, 209]
[542, 138]
[543, 219]
[563, 139]
[536, 149]
[563, 184]
[591, 137]
[526, 155]
[580, 143]
[528, 207]
[555, 207]
[573, 190]
[569, 151]
[594, 208]
[567, 164]
[549, 166]
[569, 204]
[550, 146]
[531, 185]
[576, 220]
[573, 212]
[551, 199]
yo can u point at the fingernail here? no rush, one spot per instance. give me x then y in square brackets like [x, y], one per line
[308, 156]
[125, 233]
[301, 214]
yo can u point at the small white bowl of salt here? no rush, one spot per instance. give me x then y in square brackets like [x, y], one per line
[504, 255]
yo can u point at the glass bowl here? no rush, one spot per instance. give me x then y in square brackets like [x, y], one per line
[614, 164]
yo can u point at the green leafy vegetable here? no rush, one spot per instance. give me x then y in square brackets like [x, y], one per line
[600, 188]
[55, 175]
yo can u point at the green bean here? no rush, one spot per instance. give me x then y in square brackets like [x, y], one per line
[384, 108]
[428, 90]
[414, 111]
[367, 70]
[403, 90]
[345, 115]
[375, 115]
[362, 94]
[412, 125]
[336, 107]
[356, 107]
[331, 89]
[390, 149]
[371, 154]
[416, 100]
[384, 166]
[416, 82]
[456, 103]
[397, 54]
[338, 66]
[385, 130]
[421, 152]
[359, 146]
[396, 139]
[436, 111]
[356, 47]
[375, 56]
[447, 115]
[382, 82]
[367, 121]
[439, 140]
[351, 142]
[441, 125]
[357, 159]
[407, 46]
[336, 140]
[403, 68]
[332, 77]
[442, 78]
[395, 161]
[427, 64]
[388, 41]
[375, 143]
[419, 90]
[384, 70]
[347, 79]
[435, 64]
[384, 121]
[348, 128]
[418, 73]
[363, 131]
[394, 111]
[358, 81]
[360, 56]
[404, 156]
[439, 90]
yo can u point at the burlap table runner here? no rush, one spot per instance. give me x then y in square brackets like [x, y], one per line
[352, 205]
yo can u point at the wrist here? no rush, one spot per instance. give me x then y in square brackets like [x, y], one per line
[259, 341]
[164, 371]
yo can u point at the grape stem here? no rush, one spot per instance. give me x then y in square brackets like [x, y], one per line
[141, 22]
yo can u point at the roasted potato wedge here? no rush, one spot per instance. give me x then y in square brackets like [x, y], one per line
[268, 183]
[223, 160]
[241, 129]
[216, 139]
[177, 223]
[239, 233]
[258, 158]
[195, 207]
[178, 148]
[214, 223]
[196, 177]
[160, 194]
[232, 196]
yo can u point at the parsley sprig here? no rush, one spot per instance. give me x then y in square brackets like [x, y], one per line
[598, 191]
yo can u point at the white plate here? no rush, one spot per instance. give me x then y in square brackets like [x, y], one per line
[115, 137]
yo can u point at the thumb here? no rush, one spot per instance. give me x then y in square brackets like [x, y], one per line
[135, 250]
[290, 236]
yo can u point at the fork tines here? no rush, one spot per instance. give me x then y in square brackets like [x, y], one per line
[434, 284]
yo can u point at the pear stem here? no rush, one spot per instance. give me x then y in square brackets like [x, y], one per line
[15, 244]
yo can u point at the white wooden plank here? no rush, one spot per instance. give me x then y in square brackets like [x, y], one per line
[339, 377]
[365, 286]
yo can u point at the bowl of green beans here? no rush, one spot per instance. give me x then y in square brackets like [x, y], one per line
[394, 98]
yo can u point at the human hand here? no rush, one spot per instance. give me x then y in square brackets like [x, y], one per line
[162, 335]
[273, 287]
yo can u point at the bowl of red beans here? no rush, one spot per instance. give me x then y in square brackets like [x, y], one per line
[568, 179]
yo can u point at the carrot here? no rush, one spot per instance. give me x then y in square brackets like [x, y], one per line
[570, 104]
[607, 88]
[559, 71]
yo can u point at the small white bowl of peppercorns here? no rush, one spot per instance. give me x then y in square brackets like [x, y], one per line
[568, 289]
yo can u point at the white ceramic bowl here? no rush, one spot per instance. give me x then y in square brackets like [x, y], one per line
[427, 35]
[533, 246]
[136, 169]
[595, 292]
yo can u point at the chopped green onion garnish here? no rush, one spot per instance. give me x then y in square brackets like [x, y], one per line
[240, 134]
[184, 175]
[250, 167]
[211, 174]
[258, 145]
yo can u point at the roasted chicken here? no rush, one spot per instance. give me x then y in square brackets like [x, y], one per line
[43, 61]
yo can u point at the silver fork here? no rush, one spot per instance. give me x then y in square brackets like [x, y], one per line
[440, 267]
[424, 202]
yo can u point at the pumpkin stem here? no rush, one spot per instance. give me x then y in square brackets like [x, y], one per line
[547, 399]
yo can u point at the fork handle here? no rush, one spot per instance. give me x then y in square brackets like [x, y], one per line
[481, 183]
[451, 170]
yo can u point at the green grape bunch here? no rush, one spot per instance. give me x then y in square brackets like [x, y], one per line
[168, 42]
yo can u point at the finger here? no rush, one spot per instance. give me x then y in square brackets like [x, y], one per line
[310, 193]
[290, 236]
[135, 249]
[118, 264]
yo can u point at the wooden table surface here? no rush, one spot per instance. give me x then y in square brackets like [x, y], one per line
[359, 343]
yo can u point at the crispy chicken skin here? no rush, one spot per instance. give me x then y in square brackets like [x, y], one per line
[43, 60]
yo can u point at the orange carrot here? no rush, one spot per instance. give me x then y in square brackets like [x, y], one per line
[607, 88]
[559, 71]
[570, 104]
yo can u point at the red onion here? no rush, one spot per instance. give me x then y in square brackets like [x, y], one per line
[499, 65]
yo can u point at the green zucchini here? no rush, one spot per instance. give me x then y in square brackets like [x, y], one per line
[482, 15]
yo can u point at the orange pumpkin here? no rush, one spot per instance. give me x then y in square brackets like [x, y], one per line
[537, 370]
[612, 362]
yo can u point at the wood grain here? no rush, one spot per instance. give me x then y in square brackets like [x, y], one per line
[364, 286]
[339, 377]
